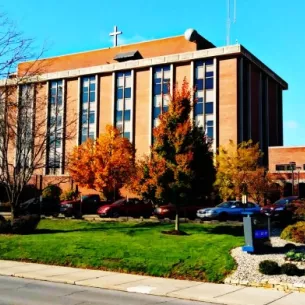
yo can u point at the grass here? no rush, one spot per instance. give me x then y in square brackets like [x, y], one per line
[129, 247]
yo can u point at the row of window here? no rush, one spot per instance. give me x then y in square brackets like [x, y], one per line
[286, 167]
[161, 87]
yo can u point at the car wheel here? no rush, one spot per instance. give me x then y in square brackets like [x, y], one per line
[78, 216]
[55, 215]
[114, 214]
[223, 217]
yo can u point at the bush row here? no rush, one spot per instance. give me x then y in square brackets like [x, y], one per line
[21, 225]
[269, 267]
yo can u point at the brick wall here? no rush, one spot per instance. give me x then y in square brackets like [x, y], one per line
[284, 155]
[227, 104]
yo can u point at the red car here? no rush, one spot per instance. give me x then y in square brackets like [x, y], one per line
[169, 211]
[283, 209]
[132, 207]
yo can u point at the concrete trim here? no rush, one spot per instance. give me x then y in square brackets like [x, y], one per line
[281, 147]
[47, 123]
[133, 100]
[240, 105]
[151, 76]
[146, 62]
[113, 102]
[78, 111]
[215, 127]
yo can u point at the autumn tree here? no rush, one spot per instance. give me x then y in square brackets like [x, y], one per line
[238, 168]
[104, 164]
[180, 167]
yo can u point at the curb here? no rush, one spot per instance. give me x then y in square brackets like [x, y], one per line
[273, 284]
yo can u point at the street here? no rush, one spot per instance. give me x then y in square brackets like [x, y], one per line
[15, 291]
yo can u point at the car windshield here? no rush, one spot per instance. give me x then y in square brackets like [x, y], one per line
[118, 201]
[225, 205]
[282, 201]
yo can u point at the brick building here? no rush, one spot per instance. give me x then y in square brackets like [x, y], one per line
[238, 97]
[287, 166]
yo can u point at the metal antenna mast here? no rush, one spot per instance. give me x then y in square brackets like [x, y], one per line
[229, 19]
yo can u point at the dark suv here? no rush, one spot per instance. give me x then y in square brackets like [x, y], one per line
[47, 207]
[88, 204]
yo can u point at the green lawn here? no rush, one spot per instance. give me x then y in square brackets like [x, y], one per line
[129, 247]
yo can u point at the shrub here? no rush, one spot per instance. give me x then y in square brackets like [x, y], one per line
[295, 232]
[52, 191]
[291, 269]
[300, 212]
[295, 256]
[269, 267]
[69, 195]
[29, 191]
[5, 226]
[25, 224]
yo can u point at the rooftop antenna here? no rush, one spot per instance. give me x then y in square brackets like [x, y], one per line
[229, 22]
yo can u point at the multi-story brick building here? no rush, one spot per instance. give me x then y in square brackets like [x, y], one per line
[238, 97]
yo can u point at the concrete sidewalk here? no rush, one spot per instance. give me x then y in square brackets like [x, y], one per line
[188, 290]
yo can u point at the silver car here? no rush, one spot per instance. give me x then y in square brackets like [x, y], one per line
[228, 210]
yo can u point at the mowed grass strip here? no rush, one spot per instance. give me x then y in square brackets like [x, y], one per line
[129, 247]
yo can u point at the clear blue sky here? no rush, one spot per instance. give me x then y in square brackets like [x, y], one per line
[274, 30]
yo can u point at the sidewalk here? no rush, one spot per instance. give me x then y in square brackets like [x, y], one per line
[188, 290]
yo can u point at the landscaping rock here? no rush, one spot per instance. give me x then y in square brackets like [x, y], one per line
[247, 270]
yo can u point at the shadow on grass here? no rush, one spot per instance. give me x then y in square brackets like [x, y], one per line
[225, 229]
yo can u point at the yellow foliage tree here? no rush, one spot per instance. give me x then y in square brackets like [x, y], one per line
[237, 166]
[103, 165]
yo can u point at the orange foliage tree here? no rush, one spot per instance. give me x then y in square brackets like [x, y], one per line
[104, 164]
[180, 167]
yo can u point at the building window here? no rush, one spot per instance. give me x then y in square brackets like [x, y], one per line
[204, 83]
[161, 90]
[283, 167]
[55, 127]
[24, 145]
[210, 129]
[123, 103]
[88, 108]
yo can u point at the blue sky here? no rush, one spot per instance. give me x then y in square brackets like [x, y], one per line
[271, 29]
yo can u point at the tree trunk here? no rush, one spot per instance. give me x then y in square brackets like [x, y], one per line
[177, 222]
[13, 213]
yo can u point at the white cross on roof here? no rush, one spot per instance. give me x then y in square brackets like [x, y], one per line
[115, 35]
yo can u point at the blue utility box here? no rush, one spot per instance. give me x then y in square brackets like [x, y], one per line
[256, 232]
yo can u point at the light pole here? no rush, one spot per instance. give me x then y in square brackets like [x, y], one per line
[292, 167]
[298, 171]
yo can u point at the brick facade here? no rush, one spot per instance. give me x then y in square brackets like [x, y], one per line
[237, 91]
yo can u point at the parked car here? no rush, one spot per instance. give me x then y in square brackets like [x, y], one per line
[282, 209]
[169, 211]
[88, 204]
[47, 207]
[132, 207]
[228, 210]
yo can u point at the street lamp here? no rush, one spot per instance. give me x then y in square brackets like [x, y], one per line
[292, 167]
[298, 171]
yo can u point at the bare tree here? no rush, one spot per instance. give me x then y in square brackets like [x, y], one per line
[31, 124]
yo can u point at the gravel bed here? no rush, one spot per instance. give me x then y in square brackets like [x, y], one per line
[247, 271]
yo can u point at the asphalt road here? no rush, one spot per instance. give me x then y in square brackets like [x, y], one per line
[15, 291]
